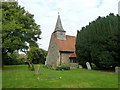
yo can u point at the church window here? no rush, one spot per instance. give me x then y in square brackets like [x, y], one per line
[73, 61]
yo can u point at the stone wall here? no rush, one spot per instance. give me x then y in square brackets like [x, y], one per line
[65, 58]
[74, 65]
[66, 61]
[53, 56]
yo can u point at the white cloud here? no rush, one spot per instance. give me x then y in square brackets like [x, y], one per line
[74, 14]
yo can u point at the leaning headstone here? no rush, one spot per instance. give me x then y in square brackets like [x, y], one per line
[88, 66]
[80, 66]
[53, 67]
[38, 78]
[117, 70]
[37, 70]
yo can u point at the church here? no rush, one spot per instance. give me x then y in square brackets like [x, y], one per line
[61, 49]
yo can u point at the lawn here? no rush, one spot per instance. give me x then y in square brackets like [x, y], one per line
[0, 79]
[19, 76]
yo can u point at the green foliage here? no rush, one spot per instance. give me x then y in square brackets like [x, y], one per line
[22, 58]
[99, 42]
[37, 55]
[63, 67]
[18, 28]
[49, 66]
[11, 59]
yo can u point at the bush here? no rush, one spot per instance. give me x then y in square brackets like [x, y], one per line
[11, 59]
[22, 58]
[38, 56]
[49, 66]
[63, 67]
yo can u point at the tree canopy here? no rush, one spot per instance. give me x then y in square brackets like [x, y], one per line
[18, 28]
[99, 42]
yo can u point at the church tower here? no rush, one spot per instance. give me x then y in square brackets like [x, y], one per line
[61, 49]
[59, 31]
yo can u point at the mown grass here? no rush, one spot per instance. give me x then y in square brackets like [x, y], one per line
[19, 76]
[0, 79]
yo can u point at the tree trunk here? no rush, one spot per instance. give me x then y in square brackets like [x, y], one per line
[32, 69]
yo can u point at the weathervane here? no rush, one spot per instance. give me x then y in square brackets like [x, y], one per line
[58, 11]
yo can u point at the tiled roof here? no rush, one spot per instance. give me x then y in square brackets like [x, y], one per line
[73, 55]
[67, 45]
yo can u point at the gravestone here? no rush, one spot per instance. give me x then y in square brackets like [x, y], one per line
[62, 69]
[88, 66]
[38, 78]
[117, 70]
[53, 66]
[80, 66]
[37, 70]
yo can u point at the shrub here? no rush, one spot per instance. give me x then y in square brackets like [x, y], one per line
[11, 59]
[49, 66]
[22, 58]
[63, 67]
[45, 66]
[37, 55]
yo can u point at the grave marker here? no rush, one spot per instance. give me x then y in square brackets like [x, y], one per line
[88, 66]
[80, 66]
[37, 70]
[117, 70]
[53, 66]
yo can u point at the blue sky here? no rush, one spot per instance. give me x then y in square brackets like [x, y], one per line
[74, 14]
[99, 4]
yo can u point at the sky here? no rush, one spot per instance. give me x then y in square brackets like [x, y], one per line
[74, 14]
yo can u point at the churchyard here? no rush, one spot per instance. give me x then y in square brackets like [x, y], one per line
[0, 78]
[19, 76]
[96, 44]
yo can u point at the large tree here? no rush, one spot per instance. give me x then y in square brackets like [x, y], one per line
[99, 42]
[19, 30]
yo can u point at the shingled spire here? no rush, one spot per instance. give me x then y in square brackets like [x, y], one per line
[58, 26]
[59, 31]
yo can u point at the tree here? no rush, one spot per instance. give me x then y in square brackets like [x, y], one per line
[99, 42]
[19, 30]
[11, 59]
[37, 55]
[22, 58]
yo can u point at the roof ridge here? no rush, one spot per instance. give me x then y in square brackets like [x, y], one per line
[70, 35]
[66, 45]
